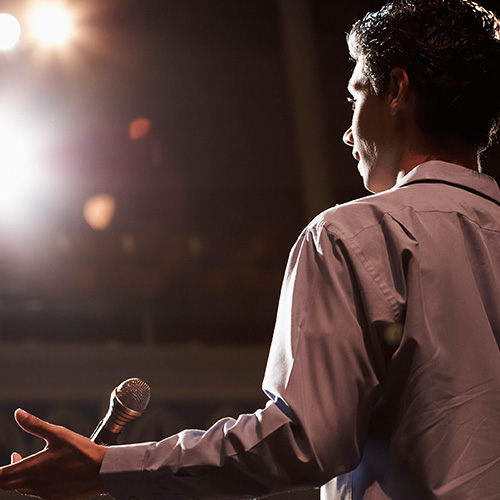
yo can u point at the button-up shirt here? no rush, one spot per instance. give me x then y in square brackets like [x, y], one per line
[384, 370]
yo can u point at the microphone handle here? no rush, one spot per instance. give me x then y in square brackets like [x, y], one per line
[104, 436]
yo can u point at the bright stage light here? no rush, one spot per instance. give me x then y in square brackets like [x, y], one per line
[51, 24]
[10, 30]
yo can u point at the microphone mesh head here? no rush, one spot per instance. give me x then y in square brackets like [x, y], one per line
[134, 394]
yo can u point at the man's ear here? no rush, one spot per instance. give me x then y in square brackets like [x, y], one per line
[399, 90]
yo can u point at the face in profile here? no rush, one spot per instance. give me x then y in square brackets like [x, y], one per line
[371, 134]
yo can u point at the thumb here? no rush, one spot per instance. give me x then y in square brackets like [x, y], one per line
[33, 425]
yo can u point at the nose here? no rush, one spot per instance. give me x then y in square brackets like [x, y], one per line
[347, 138]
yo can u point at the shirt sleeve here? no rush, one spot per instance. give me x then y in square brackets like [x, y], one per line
[321, 382]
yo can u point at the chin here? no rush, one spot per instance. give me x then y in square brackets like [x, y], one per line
[367, 181]
[373, 185]
[371, 189]
[375, 181]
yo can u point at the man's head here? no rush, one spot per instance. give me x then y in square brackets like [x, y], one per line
[379, 130]
[450, 50]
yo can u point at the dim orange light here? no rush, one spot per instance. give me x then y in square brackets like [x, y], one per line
[139, 128]
[99, 211]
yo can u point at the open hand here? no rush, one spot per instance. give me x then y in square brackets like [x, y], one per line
[66, 469]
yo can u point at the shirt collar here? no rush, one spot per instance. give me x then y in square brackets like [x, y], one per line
[436, 171]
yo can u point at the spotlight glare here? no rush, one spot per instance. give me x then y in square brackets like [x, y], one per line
[18, 175]
[10, 30]
[51, 24]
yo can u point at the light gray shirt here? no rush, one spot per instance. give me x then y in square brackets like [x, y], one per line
[384, 369]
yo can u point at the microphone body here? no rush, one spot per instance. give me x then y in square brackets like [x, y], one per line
[127, 402]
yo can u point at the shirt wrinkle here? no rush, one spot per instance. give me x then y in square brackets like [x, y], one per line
[377, 278]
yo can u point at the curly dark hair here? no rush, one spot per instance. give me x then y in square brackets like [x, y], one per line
[451, 52]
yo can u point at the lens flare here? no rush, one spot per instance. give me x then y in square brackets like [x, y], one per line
[10, 30]
[18, 172]
[99, 211]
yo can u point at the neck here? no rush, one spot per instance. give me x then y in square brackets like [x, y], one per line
[451, 151]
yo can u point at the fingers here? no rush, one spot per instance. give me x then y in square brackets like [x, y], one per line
[22, 473]
[33, 425]
[67, 468]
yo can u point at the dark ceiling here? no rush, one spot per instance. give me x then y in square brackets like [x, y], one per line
[208, 202]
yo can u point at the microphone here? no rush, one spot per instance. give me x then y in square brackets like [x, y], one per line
[128, 401]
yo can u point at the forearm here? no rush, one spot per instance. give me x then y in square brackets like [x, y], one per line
[256, 455]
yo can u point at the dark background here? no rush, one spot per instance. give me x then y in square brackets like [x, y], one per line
[210, 201]
[247, 101]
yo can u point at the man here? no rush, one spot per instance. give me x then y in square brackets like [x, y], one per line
[384, 372]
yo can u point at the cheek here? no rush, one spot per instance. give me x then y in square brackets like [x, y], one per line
[364, 135]
[360, 123]
[357, 130]
[368, 130]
